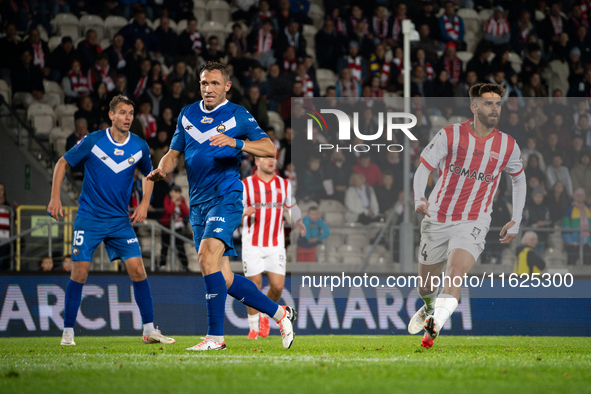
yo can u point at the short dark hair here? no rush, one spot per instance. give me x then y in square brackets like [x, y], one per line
[211, 66]
[176, 188]
[117, 100]
[479, 89]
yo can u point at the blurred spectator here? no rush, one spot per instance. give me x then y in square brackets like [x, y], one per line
[135, 59]
[386, 194]
[514, 129]
[557, 202]
[73, 139]
[558, 172]
[316, 229]
[347, 86]
[329, 46]
[188, 82]
[60, 60]
[363, 39]
[177, 99]
[263, 12]
[463, 88]
[449, 63]
[557, 126]
[166, 122]
[427, 44]
[553, 26]
[500, 216]
[89, 113]
[101, 101]
[533, 169]
[116, 54]
[273, 137]
[279, 87]
[577, 217]
[6, 221]
[263, 44]
[27, 83]
[312, 186]
[257, 77]
[427, 18]
[520, 31]
[360, 200]
[120, 87]
[285, 152]
[75, 84]
[528, 260]
[479, 62]
[256, 106]
[88, 50]
[161, 190]
[578, 149]
[552, 149]
[46, 264]
[308, 86]
[451, 27]
[9, 48]
[379, 24]
[534, 87]
[580, 174]
[191, 40]
[238, 38]
[582, 41]
[175, 208]
[290, 61]
[391, 162]
[291, 36]
[102, 73]
[168, 39]
[39, 50]
[140, 29]
[157, 74]
[354, 20]
[442, 86]
[370, 171]
[148, 120]
[378, 66]
[532, 63]
[496, 28]
[67, 263]
[394, 38]
[155, 96]
[212, 52]
[537, 215]
[338, 171]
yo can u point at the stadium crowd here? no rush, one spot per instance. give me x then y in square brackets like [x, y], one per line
[540, 51]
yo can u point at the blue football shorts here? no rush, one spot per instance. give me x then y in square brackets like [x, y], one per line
[217, 218]
[120, 240]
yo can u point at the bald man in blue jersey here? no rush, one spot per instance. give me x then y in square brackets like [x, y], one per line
[212, 134]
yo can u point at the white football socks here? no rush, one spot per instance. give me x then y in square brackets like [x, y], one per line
[69, 330]
[148, 328]
[445, 305]
[429, 299]
[253, 322]
[279, 314]
[216, 338]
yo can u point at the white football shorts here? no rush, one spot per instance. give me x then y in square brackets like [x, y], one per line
[258, 259]
[438, 239]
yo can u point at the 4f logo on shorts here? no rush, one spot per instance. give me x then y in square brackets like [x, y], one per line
[218, 230]
[475, 232]
[210, 296]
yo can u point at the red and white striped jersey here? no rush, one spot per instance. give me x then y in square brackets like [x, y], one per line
[497, 27]
[265, 227]
[4, 222]
[469, 169]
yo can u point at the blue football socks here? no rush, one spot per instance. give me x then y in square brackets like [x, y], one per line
[245, 291]
[215, 300]
[143, 298]
[73, 300]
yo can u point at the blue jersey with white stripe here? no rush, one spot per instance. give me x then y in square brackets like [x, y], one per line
[213, 171]
[108, 172]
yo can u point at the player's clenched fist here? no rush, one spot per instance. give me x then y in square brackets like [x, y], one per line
[423, 209]
[156, 175]
[54, 208]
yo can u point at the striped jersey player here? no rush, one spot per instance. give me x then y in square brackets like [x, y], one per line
[265, 197]
[470, 157]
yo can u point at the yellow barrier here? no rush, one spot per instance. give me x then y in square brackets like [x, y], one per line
[67, 231]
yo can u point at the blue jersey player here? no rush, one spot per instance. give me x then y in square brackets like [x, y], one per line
[212, 133]
[110, 157]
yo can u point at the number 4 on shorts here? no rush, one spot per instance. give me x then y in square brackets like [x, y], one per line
[424, 252]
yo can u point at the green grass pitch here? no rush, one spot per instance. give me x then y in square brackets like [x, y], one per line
[314, 364]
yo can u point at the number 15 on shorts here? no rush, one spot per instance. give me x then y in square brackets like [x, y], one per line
[78, 238]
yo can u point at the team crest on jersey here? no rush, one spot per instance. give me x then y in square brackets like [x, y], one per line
[207, 120]
[119, 152]
[221, 128]
[494, 155]
[131, 160]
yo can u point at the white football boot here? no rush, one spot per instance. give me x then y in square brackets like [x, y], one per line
[67, 339]
[208, 344]
[417, 322]
[156, 336]
[285, 325]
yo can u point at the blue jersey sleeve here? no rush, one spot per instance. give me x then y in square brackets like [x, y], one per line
[178, 139]
[145, 164]
[79, 152]
[249, 128]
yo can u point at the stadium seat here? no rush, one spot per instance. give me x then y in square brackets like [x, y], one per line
[213, 28]
[42, 118]
[66, 25]
[5, 91]
[219, 11]
[309, 33]
[353, 259]
[465, 57]
[78, 41]
[471, 41]
[334, 218]
[471, 19]
[438, 122]
[54, 42]
[277, 123]
[92, 22]
[346, 249]
[181, 26]
[325, 78]
[113, 24]
[540, 16]
[54, 89]
[334, 240]
[316, 13]
[485, 14]
[65, 116]
[105, 43]
[331, 205]
[379, 250]
[57, 140]
[43, 33]
[456, 119]
[200, 10]
[358, 240]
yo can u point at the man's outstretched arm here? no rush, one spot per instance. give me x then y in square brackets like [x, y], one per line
[166, 166]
